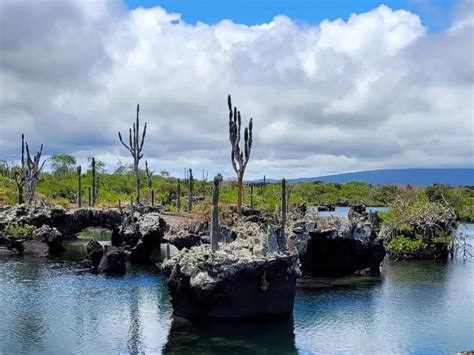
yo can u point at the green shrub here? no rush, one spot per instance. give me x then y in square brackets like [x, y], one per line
[404, 244]
[15, 229]
[443, 239]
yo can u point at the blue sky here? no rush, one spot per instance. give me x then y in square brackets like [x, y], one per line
[435, 14]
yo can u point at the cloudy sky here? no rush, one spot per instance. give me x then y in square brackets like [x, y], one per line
[383, 87]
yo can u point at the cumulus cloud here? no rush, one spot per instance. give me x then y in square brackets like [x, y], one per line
[376, 91]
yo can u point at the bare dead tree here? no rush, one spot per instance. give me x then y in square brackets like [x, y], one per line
[239, 158]
[135, 148]
[32, 173]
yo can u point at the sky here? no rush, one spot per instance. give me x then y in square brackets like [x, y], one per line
[332, 86]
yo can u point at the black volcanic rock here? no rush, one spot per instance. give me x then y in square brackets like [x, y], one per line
[336, 246]
[113, 261]
[94, 252]
[244, 279]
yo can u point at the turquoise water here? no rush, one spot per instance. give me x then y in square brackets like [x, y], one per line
[54, 307]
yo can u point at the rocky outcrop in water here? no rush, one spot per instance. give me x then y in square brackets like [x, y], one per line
[51, 236]
[334, 246]
[113, 261]
[94, 253]
[141, 234]
[138, 235]
[248, 278]
[68, 222]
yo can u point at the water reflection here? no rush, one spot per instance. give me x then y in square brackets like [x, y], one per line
[50, 306]
[276, 337]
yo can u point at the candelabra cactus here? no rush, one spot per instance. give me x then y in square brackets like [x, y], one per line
[282, 237]
[215, 230]
[148, 173]
[79, 187]
[239, 158]
[190, 191]
[135, 148]
[32, 172]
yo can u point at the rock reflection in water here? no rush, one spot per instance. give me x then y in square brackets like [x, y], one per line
[272, 337]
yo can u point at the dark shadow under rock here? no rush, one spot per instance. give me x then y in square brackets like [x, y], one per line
[271, 337]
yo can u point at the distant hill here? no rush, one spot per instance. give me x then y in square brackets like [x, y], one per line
[454, 177]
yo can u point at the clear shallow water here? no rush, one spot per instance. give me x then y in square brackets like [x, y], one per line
[51, 306]
[342, 211]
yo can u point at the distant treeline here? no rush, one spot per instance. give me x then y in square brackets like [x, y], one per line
[60, 186]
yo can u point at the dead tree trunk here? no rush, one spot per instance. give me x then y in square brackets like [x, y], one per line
[190, 192]
[282, 240]
[238, 158]
[32, 173]
[135, 148]
[215, 230]
[79, 187]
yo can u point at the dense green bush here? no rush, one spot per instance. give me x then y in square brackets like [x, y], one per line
[18, 230]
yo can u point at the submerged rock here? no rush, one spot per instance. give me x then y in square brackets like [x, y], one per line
[113, 261]
[244, 279]
[338, 245]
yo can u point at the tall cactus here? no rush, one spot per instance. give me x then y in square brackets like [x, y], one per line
[238, 158]
[79, 187]
[215, 230]
[204, 181]
[19, 176]
[94, 183]
[282, 240]
[32, 172]
[190, 191]
[135, 148]
[178, 197]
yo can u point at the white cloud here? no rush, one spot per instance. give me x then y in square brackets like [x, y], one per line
[376, 91]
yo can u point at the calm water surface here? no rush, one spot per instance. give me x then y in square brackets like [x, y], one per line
[52, 306]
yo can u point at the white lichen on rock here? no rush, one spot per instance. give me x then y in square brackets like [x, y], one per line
[249, 251]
